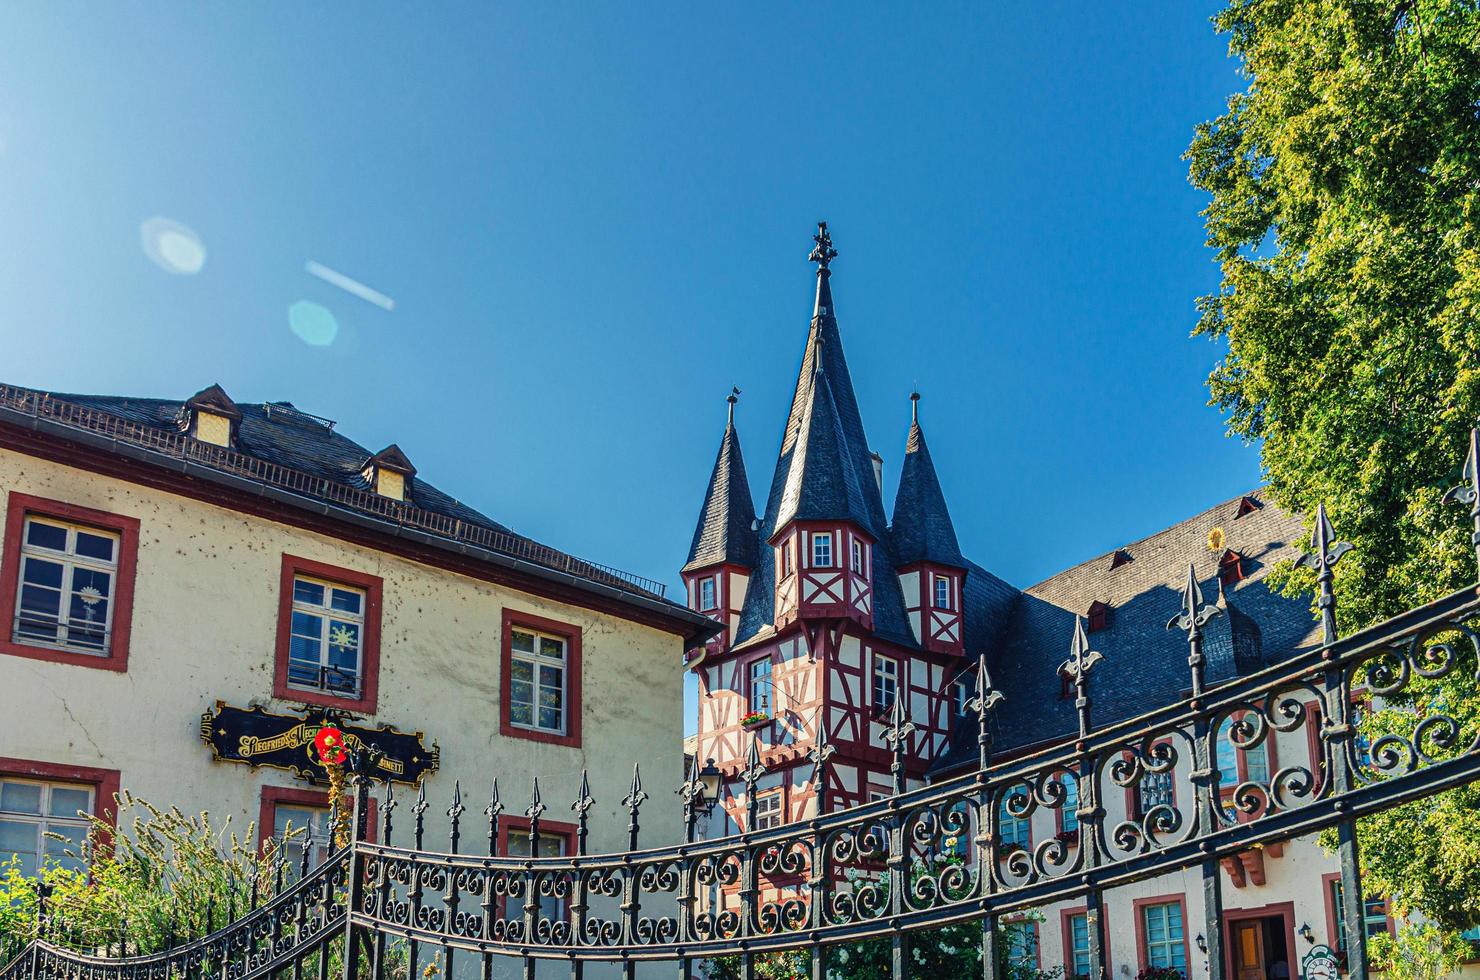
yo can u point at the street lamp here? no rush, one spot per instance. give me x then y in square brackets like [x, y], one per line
[709, 778]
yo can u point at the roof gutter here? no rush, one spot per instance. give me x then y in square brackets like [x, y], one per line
[700, 627]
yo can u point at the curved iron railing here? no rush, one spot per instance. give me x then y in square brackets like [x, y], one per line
[921, 859]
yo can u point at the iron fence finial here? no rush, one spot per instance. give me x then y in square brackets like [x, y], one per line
[897, 735]
[387, 807]
[454, 814]
[1325, 552]
[751, 775]
[633, 801]
[821, 751]
[1081, 661]
[491, 811]
[1196, 612]
[981, 703]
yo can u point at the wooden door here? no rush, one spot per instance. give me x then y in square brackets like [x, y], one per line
[1248, 950]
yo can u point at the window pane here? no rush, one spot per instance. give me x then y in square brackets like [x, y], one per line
[308, 592]
[550, 718]
[521, 670]
[94, 546]
[522, 714]
[19, 838]
[551, 648]
[346, 601]
[46, 535]
[41, 572]
[522, 692]
[20, 798]
[306, 624]
[67, 801]
[522, 641]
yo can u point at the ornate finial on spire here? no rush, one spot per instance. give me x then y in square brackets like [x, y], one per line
[914, 406]
[823, 253]
[734, 397]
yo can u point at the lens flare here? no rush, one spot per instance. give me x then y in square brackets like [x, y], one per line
[313, 324]
[172, 246]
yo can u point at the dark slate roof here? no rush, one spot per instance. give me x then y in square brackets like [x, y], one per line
[922, 525]
[726, 531]
[822, 481]
[853, 469]
[280, 433]
[1145, 663]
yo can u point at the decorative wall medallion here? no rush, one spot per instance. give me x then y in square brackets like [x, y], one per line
[257, 737]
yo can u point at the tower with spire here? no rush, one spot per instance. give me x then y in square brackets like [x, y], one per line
[829, 621]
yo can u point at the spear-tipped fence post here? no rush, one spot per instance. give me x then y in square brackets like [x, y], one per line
[415, 892]
[749, 871]
[360, 761]
[1468, 492]
[1195, 613]
[532, 813]
[631, 901]
[581, 807]
[492, 811]
[1088, 815]
[982, 703]
[898, 736]
[1339, 731]
[820, 753]
[451, 897]
[692, 794]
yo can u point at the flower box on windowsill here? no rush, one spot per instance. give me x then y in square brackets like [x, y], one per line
[1069, 838]
[754, 720]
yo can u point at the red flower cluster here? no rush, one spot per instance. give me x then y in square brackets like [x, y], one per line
[329, 743]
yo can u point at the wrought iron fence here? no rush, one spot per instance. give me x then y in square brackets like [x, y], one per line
[178, 445]
[919, 860]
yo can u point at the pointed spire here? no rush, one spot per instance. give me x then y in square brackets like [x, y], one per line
[824, 482]
[726, 529]
[823, 253]
[922, 528]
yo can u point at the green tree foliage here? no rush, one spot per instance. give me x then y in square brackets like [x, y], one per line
[1345, 185]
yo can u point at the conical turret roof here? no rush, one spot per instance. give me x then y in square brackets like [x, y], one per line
[922, 525]
[727, 527]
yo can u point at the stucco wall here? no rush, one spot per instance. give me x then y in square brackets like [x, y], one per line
[204, 619]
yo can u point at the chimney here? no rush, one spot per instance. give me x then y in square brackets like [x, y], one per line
[878, 472]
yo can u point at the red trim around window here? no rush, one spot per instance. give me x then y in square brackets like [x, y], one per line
[299, 796]
[369, 647]
[572, 636]
[105, 782]
[1068, 950]
[1179, 899]
[1333, 937]
[1033, 931]
[21, 505]
[1133, 808]
[548, 828]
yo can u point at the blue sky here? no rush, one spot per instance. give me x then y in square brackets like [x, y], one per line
[594, 220]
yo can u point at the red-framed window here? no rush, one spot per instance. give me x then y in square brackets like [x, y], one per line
[540, 660]
[759, 686]
[1013, 831]
[1066, 817]
[1161, 932]
[328, 636]
[67, 583]
[885, 681]
[557, 839]
[822, 549]
[1235, 765]
[708, 594]
[306, 810]
[1074, 926]
[1151, 790]
[770, 808]
[1024, 951]
[943, 592]
[1376, 919]
[42, 799]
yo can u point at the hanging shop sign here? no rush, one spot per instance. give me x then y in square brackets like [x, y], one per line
[259, 738]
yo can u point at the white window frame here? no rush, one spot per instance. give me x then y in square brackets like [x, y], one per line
[540, 665]
[70, 562]
[46, 822]
[330, 618]
[1167, 952]
[1077, 954]
[768, 809]
[963, 689]
[860, 558]
[551, 907]
[760, 675]
[1012, 829]
[950, 598]
[710, 601]
[890, 679]
[314, 833]
[822, 549]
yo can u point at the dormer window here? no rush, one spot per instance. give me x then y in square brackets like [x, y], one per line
[1121, 557]
[822, 550]
[1230, 567]
[706, 594]
[388, 471]
[943, 597]
[1246, 506]
[1098, 616]
[211, 416]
